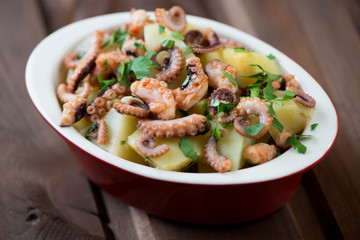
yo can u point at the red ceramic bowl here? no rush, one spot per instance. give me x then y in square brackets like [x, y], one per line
[207, 198]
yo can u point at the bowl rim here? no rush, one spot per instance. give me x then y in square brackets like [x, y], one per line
[55, 46]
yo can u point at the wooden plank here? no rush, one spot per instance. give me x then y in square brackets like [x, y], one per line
[38, 174]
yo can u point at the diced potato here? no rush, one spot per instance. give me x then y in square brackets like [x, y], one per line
[120, 126]
[82, 126]
[292, 115]
[232, 146]
[242, 61]
[174, 159]
[153, 38]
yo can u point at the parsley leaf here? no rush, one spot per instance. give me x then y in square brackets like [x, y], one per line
[254, 129]
[167, 43]
[117, 37]
[177, 35]
[254, 91]
[123, 142]
[80, 55]
[271, 57]
[186, 82]
[147, 159]
[216, 130]
[313, 126]
[91, 129]
[221, 106]
[239, 49]
[161, 29]
[297, 145]
[276, 124]
[288, 95]
[105, 83]
[188, 49]
[268, 91]
[139, 45]
[205, 107]
[271, 109]
[231, 78]
[106, 65]
[271, 76]
[187, 148]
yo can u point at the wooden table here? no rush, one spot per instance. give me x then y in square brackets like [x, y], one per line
[43, 193]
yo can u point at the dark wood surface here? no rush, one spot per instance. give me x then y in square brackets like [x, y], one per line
[43, 193]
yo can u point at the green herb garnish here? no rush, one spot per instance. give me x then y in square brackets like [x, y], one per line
[240, 49]
[188, 49]
[139, 45]
[147, 159]
[231, 78]
[80, 55]
[123, 142]
[187, 148]
[118, 37]
[186, 82]
[91, 129]
[161, 29]
[221, 106]
[255, 91]
[288, 95]
[205, 108]
[276, 124]
[271, 57]
[294, 140]
[254, 129]
[313, 126]
[268, 91]
[113, 100]
[177, 35]
[106, 65]
[105, 83]
[167, 43]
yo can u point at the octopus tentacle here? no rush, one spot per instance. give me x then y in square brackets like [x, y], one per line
[194, 90]
[102, 103]
[304, 99]
[174, 19]
[130, 49]
[259, 153]
[113, 60]
[73, 111]
[156, 95]
[217, 161]
[290, 82]
[209, 42]
[280, 139]
[216, 77]
[102, 136]
[65, 95]
[249, 106]
[138, 20]
[171, 66]
[132, 107]
[72, 59]
[179, 127]
[228, 43]
[146, 145]
[87, 63]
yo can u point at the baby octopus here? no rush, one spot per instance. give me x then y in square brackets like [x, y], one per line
[113, 61]
[217, 79]
[138, 20]
[156, 95]
[259, 153]
[218, 162]
[65, 95]
[203, 43]
[87, 63]
[174, 19]
[73, 111]
[130, 49]
[300, 96]
[101, 104]
[249, 106]
[179, 127]
[194, 88]
[147, 146]
[170, 67]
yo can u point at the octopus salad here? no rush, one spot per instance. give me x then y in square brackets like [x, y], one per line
[164, 93]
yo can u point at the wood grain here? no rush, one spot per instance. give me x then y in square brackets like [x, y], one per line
[40, 181]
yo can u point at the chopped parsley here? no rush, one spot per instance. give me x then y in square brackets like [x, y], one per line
[294, 140]
[240, 49]
[269, 91]
[91, 129]
[271, 57]
[187, 148]
[188, 49]
[118, 37]
[80, 55]
[105, 83]
[215, 131]
[276, 124]
[177, 35]
[147, 159]
[123, 142]
[254, 129]
[313, 126]
[167, 43]
[221, 106]
[288, 95]
[186, 82]
[231, 78]
[106, 65]
[254, 91]
[205, 108]
[139, 45]
[161, 29]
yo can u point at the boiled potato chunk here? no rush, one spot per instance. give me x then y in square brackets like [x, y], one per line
[242, 61]
[174, 159]
[232, 146]
[82, 126]
[292, 115]
[120, 126]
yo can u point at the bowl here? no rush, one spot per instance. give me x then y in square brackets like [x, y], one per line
[206, 198]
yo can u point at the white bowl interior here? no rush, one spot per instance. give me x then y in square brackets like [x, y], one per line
[44, 72]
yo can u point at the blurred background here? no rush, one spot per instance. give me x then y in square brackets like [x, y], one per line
[36, 200]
